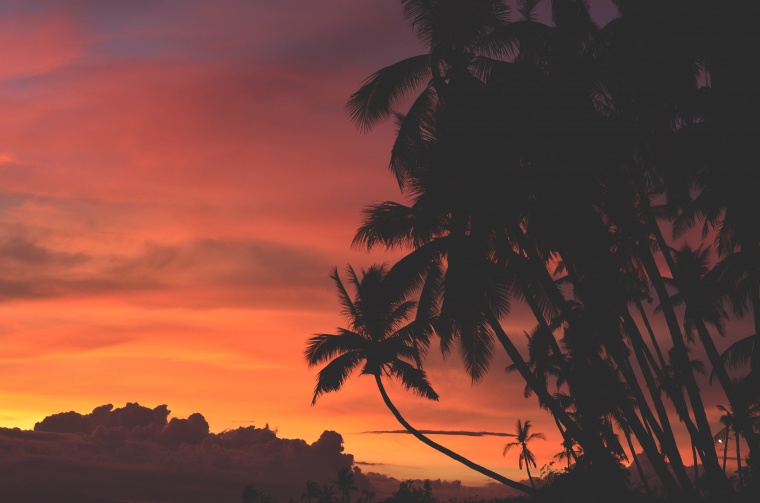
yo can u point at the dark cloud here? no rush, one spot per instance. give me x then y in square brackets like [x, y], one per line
[23, 251]
[211, 272]
[136, 453]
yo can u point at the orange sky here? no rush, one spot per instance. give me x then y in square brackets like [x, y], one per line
[176, 181]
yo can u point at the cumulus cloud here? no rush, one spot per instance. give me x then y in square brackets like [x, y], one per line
[138, 453]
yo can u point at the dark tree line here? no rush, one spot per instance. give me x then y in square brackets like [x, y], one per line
[605, 177]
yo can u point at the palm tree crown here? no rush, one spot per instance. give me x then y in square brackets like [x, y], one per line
[380, 336]
[523, 437]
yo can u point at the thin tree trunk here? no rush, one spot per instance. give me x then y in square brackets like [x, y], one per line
[453, 455]
[704, 440]
[527, 469]
[592, 445]
[650, 331]
[754, 362]
[737, 404]
[643, 478]
[666, 440]
[663, 431]
[725, 450]
[738, 459]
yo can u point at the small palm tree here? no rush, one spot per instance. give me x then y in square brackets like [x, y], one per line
[345, 483]
[523, 437]
[313, 491]
[568, 451]
[383, 341]
[369, 496]
[731, 424]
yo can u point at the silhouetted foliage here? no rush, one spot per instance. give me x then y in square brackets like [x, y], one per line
[538, 155]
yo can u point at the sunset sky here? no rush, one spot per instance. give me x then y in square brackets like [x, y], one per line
[177, 178]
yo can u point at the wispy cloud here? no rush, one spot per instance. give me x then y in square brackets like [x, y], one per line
[444, 432]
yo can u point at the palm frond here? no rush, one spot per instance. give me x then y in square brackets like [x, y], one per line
[535, 435]
[399, 316]
[348, 308]
[375, 100]
[389, 224]
[476, 347]
[322, 347]
[335, 373]
[415, 132]
[739, 353]
[413, 378]
[508, 447]
[527, 9]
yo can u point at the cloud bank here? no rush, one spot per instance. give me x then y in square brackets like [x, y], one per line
[136, 453]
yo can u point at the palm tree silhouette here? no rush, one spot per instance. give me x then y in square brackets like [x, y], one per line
[313, 491]
[567, 181]
[523, 437]
[345, 483]
[384, 342]
[728, 419]
[568, 451]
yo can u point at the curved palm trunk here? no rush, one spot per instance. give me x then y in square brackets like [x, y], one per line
[453, 455]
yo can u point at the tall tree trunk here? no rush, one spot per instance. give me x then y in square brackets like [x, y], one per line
[650, 331]
[739, 459]
[591, 444]
[718, 480]
[643, 477]
[594, 449]
[725, 450]
[453, 455]
[664, 431]
[737, 403]
[527, 469]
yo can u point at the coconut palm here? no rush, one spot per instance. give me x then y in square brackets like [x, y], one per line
[481, 207]
[313, 491]
[383, 340]
[568, 452]
[523, 437]
[728, 420]
[345, 483]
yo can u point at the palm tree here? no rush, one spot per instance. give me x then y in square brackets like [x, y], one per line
[729, 422]
[369, 496]
[313, 491]
[739, 425]
[384, 342]
[345, 483]
[523, 437]
[568, 452]
[479, 208]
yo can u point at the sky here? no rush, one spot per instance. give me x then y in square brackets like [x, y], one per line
[177, 179]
